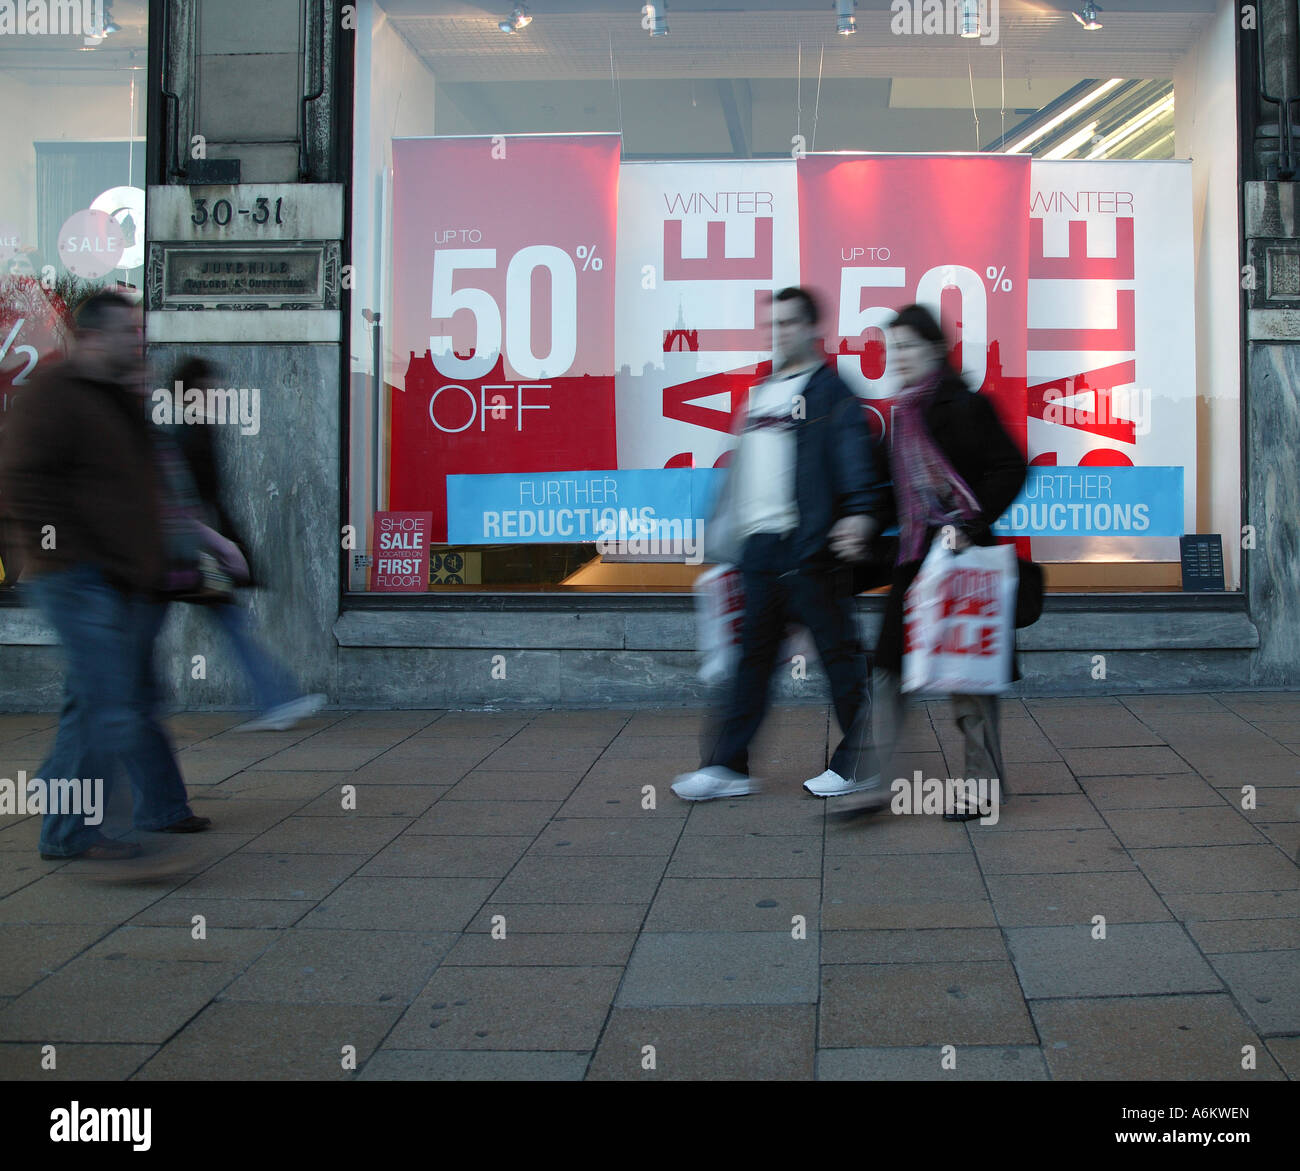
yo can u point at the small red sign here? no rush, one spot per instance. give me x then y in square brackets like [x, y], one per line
[401, 552]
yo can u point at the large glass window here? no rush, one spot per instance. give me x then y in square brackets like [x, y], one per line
[72, 190]
[566, 222]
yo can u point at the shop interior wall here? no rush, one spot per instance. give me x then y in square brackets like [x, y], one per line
[395, 97]
[57, 108]
[1205, 130]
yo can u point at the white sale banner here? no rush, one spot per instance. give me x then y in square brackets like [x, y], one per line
[1112, 342]
[699, 247]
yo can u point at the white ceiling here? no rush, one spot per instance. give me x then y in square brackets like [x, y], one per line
[1034, 40]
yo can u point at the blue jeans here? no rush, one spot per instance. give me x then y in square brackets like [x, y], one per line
[110, 703]
[272, 684]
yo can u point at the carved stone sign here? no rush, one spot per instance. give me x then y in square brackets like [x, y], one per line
[244, 262]
[302, 276]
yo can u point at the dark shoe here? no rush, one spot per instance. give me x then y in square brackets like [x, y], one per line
[966, 815]
[187, 825]
[105, 851]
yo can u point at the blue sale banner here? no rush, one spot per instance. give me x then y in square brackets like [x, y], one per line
[1097, 502]
[662, 505]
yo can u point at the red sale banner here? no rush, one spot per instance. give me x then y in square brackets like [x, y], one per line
[401, 558]
[877, 232]
[504, 299]
[34, 325]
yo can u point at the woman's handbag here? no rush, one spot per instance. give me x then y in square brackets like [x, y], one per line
[214, 584]
[1029, 593]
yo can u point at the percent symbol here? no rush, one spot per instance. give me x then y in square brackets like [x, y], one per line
[587, 254]
[998, 278]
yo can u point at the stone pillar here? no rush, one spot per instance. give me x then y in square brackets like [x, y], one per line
[1272, 230]
[254, 84]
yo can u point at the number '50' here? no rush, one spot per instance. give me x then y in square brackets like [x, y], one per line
[518, 312]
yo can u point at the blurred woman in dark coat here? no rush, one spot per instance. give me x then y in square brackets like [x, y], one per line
[952, 464]
[280, 702]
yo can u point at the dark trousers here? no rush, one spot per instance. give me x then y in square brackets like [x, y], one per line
[778, 592]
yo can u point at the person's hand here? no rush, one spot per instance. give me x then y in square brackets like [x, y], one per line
[955, 539]
[226, 552]
[850, 536]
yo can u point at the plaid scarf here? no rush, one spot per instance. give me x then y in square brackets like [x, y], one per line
[930, 492]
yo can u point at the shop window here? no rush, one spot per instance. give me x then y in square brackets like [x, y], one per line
[565, 231]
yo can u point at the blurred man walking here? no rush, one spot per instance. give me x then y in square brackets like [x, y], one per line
[794, 512]
[81, 482]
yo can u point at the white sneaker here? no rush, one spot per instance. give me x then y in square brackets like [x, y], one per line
[282, 718]
[831, 784]
[715, 781]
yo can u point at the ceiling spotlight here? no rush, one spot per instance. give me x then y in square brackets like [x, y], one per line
[518, 18]
[655, 18]
[1087, 16]
[845, 24]
[970, 18]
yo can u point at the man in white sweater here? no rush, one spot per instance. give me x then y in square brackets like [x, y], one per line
[795, 512]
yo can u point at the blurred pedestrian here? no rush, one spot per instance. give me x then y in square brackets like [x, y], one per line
[82, 484]
[279, 699]
[953, 465]
[795, 510]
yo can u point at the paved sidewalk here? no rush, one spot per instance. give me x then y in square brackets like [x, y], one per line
[670, 936]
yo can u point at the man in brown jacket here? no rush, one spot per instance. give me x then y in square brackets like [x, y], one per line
[81, 486]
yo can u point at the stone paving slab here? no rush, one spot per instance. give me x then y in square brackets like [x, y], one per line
[449, 816]
[1122, 762]
[1266, 985]
[582, 880]
[597, 837]
[1176, 791]
[291, 1042]
[1052, 776]
[404, 801]
[178, 909]
[904, 891]
[72, 1062]
[342, 967]
[1130, 959]
[886, 833]
[868, 1005]
[401, 904]
[1286, 1052]
[967, 1063]
[1213, 868]
[29, 952]
[734, 904]
[1246, 935]
[501, 895]
[415, 1065]
[461, 856]
[1149, 1038]
[912, 947]
[750, 856]
[720, 967]
[1050, 852]
[556, 919]
[1221, 826]
[1051, 900]
[553, 949]
[134, 999]
[480, 1008]
[707, 1043]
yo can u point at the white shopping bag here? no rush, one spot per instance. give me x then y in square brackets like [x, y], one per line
[959, 621]
[719, 610]
[719, 607]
